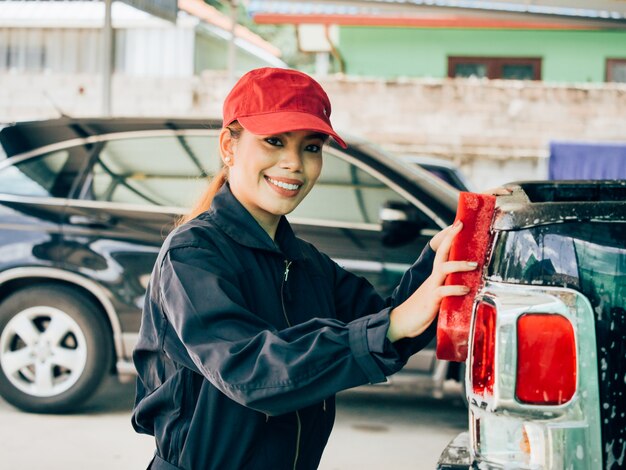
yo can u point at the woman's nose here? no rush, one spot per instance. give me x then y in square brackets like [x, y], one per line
[291, 160]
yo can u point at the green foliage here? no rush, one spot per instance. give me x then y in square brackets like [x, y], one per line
[285, 38]
[214, 3]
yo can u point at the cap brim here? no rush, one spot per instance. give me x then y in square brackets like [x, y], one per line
[287, 121]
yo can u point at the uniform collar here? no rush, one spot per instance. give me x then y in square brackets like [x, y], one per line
[235, 220]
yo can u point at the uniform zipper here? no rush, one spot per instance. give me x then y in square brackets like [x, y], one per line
[282, 290]
[282, 301]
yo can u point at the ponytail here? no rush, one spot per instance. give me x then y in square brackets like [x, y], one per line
[204, 203]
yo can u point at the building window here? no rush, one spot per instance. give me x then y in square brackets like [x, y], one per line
[495, 67]
[616, 70]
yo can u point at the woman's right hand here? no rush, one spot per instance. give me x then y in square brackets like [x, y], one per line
[414, 315]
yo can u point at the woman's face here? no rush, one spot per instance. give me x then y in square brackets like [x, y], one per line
[271, 174]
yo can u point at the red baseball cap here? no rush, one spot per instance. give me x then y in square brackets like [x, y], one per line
[272, 101]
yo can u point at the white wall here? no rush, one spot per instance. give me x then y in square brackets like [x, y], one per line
[64, 50]
[155, 52]
[495, 131]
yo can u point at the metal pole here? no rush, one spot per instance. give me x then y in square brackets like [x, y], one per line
[232, 51]
[107, 58]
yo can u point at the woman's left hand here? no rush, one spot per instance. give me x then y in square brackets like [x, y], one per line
[415, 314]
[498, 191]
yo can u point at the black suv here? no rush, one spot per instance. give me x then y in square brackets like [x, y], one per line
[546, 369]
[86, 203]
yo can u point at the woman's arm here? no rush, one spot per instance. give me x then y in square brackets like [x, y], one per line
[414, 303]
[211, 330]
[355, 297]
[411, 318]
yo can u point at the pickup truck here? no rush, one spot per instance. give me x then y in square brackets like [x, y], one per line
[546, 367]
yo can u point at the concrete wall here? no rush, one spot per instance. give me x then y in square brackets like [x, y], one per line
[567, 56]
[496, 131]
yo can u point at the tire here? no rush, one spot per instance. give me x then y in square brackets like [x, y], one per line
[55, 348]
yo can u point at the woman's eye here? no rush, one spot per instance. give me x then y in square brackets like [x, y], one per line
[313, 148]
[274, 141]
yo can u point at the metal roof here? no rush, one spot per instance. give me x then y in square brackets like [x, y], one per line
[90, 14]
[582, 9]
[82, 14]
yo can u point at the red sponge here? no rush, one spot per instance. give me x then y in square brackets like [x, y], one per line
[471, 244]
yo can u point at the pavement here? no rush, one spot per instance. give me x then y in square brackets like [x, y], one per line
[376, 428]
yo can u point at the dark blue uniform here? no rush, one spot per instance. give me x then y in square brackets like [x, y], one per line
[244, 342]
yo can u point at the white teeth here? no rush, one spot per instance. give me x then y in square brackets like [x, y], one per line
[280, 184]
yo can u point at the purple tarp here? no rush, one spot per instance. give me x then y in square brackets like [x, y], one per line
[587, 160]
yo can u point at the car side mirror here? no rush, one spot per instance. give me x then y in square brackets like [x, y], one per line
[401, 222]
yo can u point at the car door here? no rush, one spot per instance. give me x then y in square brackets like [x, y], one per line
[33, 191]
[138, 184]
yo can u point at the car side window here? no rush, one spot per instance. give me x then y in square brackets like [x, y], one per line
[166, 170]
[345, 193]
[48, 175]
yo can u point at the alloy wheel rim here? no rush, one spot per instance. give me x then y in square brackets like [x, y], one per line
[43, 351]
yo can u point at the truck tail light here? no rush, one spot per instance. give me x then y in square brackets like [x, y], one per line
[508, 442]
[546, 359]
[484, 349]
[532, 379]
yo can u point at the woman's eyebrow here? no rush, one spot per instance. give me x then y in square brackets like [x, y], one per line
[315, 135]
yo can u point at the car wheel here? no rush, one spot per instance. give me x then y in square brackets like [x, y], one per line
[55, 348]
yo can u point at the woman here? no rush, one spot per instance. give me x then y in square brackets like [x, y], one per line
[247, 331]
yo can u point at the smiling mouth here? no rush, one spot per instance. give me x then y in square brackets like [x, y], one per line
[283, 185]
